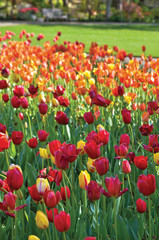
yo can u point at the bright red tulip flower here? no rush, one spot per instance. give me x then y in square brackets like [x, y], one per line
[89, 238]
[34, 193]
[126, 167]
[93, 191]
[63, 101]
[60, 90]
[153, 145]
[143, 48]
[121, 150]
[60, 160]
[51, 214]
[140, 162]
[18, 91]
[141, 205]
[96, 137]
[113, 186]
[17, 137]
[124, 140]
[33, 142]
[42, 135]
[54, 146]
[70, 152]
[5, 97]
[126, 115]
[51, 199]
[14, 177]
[146, 129]
[102, 165]
[92, 149]
[55, 176]
[24, 103]
[43, 107]
[62, 221]
[15, 101]
[21, 116]
[63, 193]
[146, 184]
[88, 117]
[103, 137]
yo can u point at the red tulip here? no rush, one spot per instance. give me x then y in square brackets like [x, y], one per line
[34, 193]
[124, 140]
[103, 137]
[54, 146]
[19, 91]
[60, 161]
[120, 90]
[140, 162]
[62, 221]
[88, 117]
[126, 167]
[152, 106]
[51, 214]
[153, 145]
[42, 135]
[5, 72]
[69, 151]
[62, 118]
[126, 115]
[92, 149]
[113, 186]
[33, 90]
[146, 129]
[55, 175]
[17, 137]
[21, 116]
[15, 101]
[43, 107]
[33, 142]
[51, 199]
[96, 137]
[102, 165]
[3, 84]
[2, 128]
[63, 193]
[63, 101]
[89, 238]
[146, 184]
[60, 90]
[24, 102]
[5, 97]
[14, 177]
[141, 206]
[100, 101]
[4, 142]
[93, 191]
[121, 150]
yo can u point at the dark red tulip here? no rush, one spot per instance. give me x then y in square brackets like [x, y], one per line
[59, 34]
[60, 160]
[5, 97]
[120, 90]
[9, 201]
[24, 102]
[146, 184]
[14, 177]
[55, 175]
[126, 167]
[113, 186]
[100, 101]
[152, 106]
[94, 136]
[33, 142]
[42, 135]
[15, 101]
[51, 199]
[70, 152]
[3, 84]
[153, 145]
[51, 214]
[5, 72]
[140, 162]
[19, 91]
[103, 137]
[43, 107]
[88, 117]
[34, 193]
[63, 193]
[62, 118]
[33, 90]
[93, 191]
[102, 165]
[60, 90]
[141, 205]
[121, 150]
[131, 156]
[146, 129]
[92, 149]
[126, 115]
[17, 137]
[62, 221]
[2, 128]
[143, 48]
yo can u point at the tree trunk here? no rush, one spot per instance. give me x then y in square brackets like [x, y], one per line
[117, 4]
[108, 6]
[51, 4]
[64, 3]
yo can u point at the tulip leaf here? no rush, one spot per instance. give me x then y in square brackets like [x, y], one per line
[31, 174]
[122, 229]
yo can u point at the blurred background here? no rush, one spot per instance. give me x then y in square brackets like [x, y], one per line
[146, 11]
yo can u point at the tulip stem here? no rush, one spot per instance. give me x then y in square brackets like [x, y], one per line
[6, 153]
[29, 124]
[47, 237]
[104, 200]
[12, 229]
[85, 198]
[64, 235]
[149, 206]
[96, 209]
[131, 191]
[115, 220]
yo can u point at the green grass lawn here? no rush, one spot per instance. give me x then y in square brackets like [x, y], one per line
[130, 37]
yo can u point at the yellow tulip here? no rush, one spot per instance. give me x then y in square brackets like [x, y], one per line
[55, 102]
[33, 237]
[90, 166]
[84, 179]
[80, 145]
[43, 153]
[91, 81]
[156, 158]
[100, 128]
[41, 220]
[42, 185]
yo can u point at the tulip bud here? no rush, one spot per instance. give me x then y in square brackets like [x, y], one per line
[84, 179]
[33, 237]
[62, 221]
[41, 220]
[55, 102]
[43, 153]
[156, 158]
[42, 185]
[80, 145]
[63, 193]
[21, 116]
[126, 167]
[19, 194]
[102, 165]
[141, 206]
[14, 177]
[5, 97]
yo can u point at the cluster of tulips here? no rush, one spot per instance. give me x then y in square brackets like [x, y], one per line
[79, 150]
